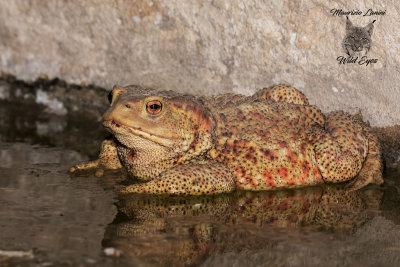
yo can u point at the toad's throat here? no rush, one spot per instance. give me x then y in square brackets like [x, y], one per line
[118, 128]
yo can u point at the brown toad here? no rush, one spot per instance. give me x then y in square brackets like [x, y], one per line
[181, 144]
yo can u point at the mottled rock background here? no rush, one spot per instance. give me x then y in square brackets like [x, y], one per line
[208, 47]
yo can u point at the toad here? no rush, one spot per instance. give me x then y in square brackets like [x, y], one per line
[181, 144]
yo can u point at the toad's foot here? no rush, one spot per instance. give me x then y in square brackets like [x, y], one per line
[91, 165]
[108, 160]
[340, 148]
[188, 179]
[348, 149]
[363, 179]
[371, 172]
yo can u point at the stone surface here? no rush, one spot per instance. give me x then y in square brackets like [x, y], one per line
[208, 47]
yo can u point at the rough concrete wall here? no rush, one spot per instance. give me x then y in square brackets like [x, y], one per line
[208, 47]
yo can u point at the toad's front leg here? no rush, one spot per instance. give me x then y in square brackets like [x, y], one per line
[204, 178]
[108, 160]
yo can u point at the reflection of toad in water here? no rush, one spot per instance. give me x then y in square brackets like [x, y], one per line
[182, 231]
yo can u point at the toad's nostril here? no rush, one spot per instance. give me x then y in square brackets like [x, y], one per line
[114, 123]
[127, 106]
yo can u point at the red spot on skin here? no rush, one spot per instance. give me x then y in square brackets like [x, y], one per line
[255, 115]
[305, 166]
[240, 115]
[250, 155]
[269, 179]
[240, 171]
[283, 172]
[263, 134]
[250, 181]
[303, 148]
[317, 174]
[240, 143]
[193, 146]
[302, 178]
[275, 128]
[303, 134]
[283, 144]
[228, 146]
[270, 155]
[292, 157]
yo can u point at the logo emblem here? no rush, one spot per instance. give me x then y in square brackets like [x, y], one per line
[357, 41]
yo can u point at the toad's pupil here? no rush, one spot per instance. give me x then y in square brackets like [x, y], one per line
[155, 106]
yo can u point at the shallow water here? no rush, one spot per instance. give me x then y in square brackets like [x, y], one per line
[51, 218]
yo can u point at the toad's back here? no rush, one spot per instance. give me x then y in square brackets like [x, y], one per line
[266, 144]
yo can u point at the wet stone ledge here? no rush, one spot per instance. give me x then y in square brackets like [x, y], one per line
[57, 96]
[52, 113]
[389, 138]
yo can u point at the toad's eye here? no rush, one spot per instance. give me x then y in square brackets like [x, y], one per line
[154, 107]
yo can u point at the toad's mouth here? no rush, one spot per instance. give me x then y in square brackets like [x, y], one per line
[118, 128]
